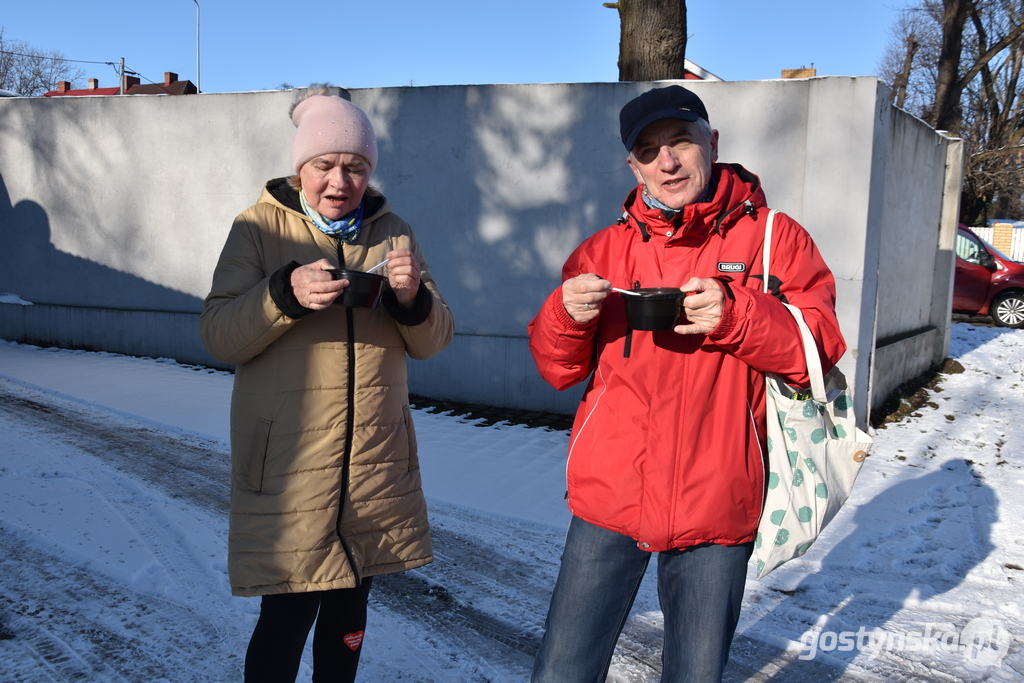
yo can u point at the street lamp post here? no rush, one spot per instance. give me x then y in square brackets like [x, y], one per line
[198, 89]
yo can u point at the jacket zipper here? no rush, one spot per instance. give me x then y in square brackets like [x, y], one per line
[350, 420]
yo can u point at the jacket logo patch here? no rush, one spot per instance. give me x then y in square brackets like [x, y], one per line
[731, 267]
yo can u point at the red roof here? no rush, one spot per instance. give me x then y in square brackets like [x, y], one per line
[170, 86]
[83, 91]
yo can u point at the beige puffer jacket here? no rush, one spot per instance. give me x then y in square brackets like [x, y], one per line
[320, 416]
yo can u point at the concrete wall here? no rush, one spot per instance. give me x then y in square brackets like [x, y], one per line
[918, 205]
[124, 204]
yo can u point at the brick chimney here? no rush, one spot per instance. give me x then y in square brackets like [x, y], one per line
[802, 72]
[170, 77]
[129, 81]
[94, 83]
[63, 86]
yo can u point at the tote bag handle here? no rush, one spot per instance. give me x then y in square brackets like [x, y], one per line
[811, 356]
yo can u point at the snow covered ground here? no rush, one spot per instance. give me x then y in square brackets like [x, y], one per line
[113, 498]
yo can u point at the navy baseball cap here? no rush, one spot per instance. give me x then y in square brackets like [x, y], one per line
[672, 102]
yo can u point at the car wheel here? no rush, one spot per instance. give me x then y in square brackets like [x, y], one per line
[1008, 310]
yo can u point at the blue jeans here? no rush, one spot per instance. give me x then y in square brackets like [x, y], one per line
[700, 590]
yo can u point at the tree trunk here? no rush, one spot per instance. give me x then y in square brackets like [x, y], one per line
[652, 40]
[946, 112]
[904, 78]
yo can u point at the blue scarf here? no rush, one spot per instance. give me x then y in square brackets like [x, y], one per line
[652, 203]
[345, 229]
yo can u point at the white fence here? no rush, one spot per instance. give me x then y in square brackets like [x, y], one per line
[1016, 245]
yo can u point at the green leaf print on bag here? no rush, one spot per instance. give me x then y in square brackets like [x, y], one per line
[805, 514]
[793, 457]
[809, 410]
[811, 467]
[839, 432]
[777, 517]
[842, 402]
[782, 537]
[773, 480]
[804, 547]
[821, 490]
[791, 433]
[798, 478]
[817, 436]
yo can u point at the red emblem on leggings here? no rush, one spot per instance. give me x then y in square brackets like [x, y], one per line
[354, 640]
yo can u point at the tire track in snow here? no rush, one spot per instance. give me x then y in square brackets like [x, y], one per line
[71, 624]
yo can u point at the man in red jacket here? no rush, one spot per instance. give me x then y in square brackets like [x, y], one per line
[667, 451]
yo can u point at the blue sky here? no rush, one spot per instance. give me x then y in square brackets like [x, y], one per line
[258, 45]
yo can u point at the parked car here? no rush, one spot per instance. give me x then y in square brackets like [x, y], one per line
[987, 282]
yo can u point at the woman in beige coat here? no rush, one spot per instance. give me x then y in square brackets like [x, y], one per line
[325, 483]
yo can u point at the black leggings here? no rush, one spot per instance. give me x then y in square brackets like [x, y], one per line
[275, 649]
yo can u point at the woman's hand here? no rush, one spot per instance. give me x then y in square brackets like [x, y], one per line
[314, 287]
[403, 276]
[582, 296]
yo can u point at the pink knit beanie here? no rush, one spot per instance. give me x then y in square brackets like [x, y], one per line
[327, 125]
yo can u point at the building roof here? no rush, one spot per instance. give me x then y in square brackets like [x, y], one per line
[695, 72]
[132, 86]
[82, 91]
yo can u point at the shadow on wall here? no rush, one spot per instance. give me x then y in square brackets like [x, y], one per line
[914, 541]
[35, 270]
[532, 173]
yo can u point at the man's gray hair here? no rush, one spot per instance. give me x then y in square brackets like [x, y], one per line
[705, 130]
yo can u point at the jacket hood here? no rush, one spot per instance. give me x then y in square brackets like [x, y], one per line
[279, 192]
[737, 192]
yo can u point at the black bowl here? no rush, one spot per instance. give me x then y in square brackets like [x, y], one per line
[364, 289]
[653, 308]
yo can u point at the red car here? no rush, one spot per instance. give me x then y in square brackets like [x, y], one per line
[987, 282]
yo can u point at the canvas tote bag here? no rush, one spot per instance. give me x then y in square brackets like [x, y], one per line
[815, 452]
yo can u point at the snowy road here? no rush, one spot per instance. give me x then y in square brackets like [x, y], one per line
[113, 502]
[481, 603]
[476, 601]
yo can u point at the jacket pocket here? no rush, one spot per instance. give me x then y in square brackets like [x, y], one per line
[414, 460]
[258, 455]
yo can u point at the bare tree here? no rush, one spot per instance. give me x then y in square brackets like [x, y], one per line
[898, 62]
[652, 39]
[970, 85]
[29, 71]
[910, 60]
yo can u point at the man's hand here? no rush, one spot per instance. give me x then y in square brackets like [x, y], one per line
[702, 306]
[582, 296]
[314, 287]
[403, 276]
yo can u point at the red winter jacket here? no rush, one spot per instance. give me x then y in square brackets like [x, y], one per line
[668, 442]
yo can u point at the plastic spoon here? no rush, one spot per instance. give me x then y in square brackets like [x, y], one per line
[626, 291]
[379, 265]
